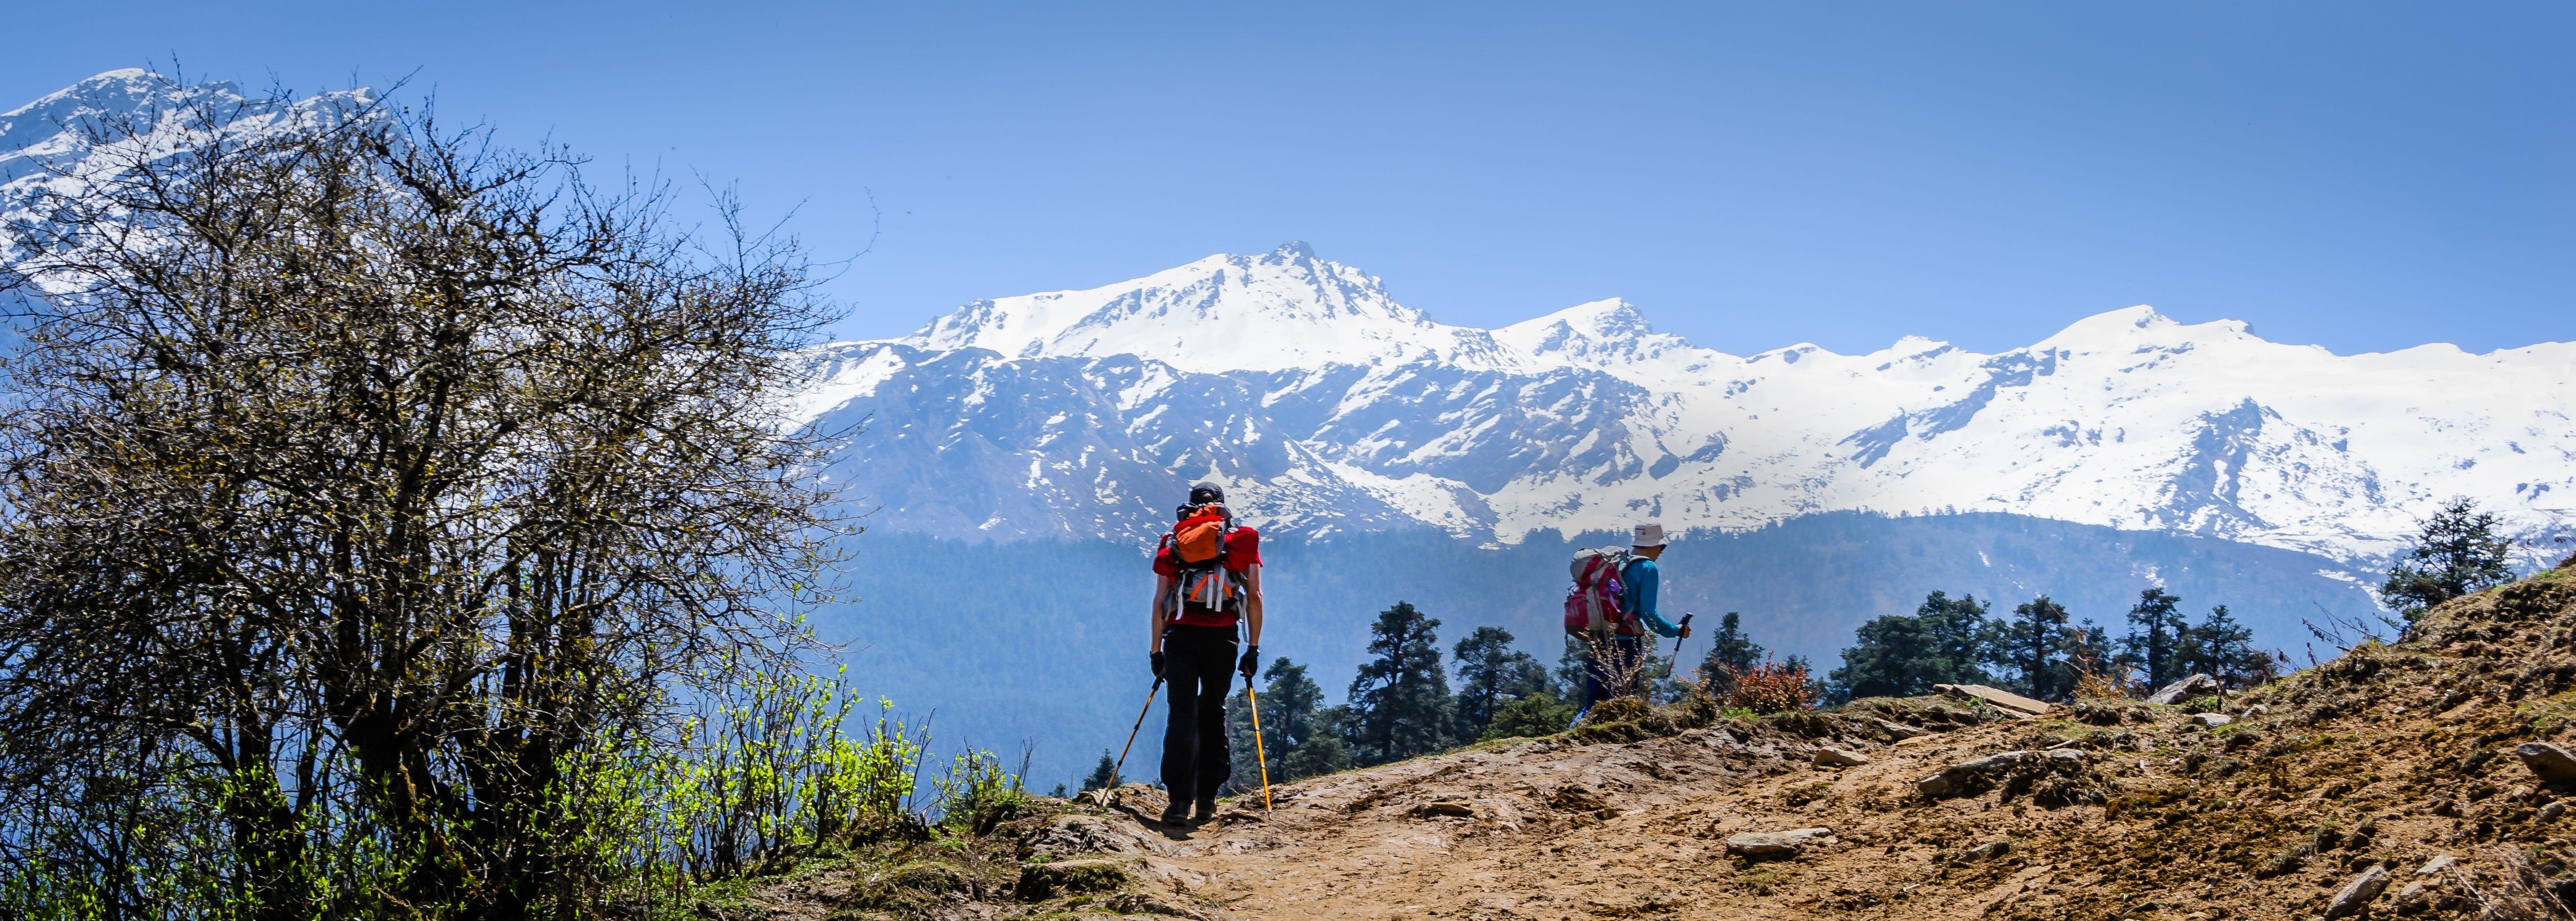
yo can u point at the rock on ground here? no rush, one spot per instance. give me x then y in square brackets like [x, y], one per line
[2007, 700]
[1777, 843]
[2358, 893]
[2192, 688]
[1835, 757]
[2552, 763]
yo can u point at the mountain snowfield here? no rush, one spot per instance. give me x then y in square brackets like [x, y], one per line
[1326, 405]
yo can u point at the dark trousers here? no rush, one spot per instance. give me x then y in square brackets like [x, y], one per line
[1199, 664]
[1601, 669]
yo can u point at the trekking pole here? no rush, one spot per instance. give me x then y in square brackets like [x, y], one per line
[1677, 648]
[1258, 756]
[1116, 772]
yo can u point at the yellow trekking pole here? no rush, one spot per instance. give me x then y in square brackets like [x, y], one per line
[1258, 756]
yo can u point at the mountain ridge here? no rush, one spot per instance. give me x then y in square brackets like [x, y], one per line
[1586, 417]
[1333, 406]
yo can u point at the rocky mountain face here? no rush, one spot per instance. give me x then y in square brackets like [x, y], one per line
[1331, 407]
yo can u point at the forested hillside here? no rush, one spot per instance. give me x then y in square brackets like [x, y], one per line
[1044, 641]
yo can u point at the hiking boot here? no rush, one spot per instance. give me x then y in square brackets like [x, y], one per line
[1178, 813]
[1207, 810]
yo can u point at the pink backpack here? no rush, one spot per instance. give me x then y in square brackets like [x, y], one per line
[1592, 603]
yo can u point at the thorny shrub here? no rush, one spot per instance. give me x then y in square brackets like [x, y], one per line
[1770, 687]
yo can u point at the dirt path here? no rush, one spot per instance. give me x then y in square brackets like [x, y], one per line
[1547, 830]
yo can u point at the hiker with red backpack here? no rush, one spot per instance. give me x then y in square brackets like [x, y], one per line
[1209, 581]
[1611, 607]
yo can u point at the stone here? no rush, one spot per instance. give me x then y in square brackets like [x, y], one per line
[1987, 851]
[1955, 778]
[2006, 700]
[2357, 894]
[1041, 881]
[2552, 763]
[1764, 844]
[2436, 865]
[1440, 808]
[2192, 688]
[1835, 757]
[2212, 720]
[2551, 812]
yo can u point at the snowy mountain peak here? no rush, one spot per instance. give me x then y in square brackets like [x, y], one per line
[1286, 308]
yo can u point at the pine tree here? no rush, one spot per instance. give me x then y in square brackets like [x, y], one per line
[2157, 627]
[1730, 651]
[2032, 646]
[2224, 649]
[1105, 775]
[1570, 666]
[2457, 554]
[1321, 753]
[1944, 642]
[1290, 718]
[1492, 674]
[1399, 703]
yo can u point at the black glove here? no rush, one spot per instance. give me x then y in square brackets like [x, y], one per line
[1251, 663]
[1158, 664]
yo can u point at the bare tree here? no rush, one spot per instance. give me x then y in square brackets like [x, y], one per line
[371, 486]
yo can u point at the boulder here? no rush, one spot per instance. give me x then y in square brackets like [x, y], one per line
[2552, 763]
[2357, 894]
[1765, 844]
[2192, 688]
[2554, 809]
[1955, 778]
[1835, 757]
[2212, 720]
[2004, 700]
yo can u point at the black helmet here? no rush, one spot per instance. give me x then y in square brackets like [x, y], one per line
[1206, 492]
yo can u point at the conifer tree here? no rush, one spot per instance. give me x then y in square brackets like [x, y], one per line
[2224, 649]
[1730, 652]
[1321, 753]
[1895, 655]
[1103, 776]
[1399, 703]
[2155, 635]
[2457, 554]
[1570, 665]
[1492, 674]
[1291, 719]
[2031, 648]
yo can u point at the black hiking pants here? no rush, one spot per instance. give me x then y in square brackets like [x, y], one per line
[1198, 662]
[1607, 664]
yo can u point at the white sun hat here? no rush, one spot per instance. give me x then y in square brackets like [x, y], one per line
[1650, 534]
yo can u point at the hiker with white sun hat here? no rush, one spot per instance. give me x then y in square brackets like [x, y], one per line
[1616, 643]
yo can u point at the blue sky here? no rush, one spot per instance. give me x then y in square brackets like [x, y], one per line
[2363, 176]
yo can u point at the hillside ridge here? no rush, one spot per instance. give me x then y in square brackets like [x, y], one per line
[2408, 767]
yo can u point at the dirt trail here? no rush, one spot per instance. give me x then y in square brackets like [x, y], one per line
[2309, 790]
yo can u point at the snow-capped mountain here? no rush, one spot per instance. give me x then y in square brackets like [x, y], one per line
[1301, 382]
[1332, 407]
[53, 142]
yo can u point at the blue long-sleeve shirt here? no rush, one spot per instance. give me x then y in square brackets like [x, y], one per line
[1644, 580]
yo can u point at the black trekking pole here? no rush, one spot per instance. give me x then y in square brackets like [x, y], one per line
[1677, 648]
[1118, 771]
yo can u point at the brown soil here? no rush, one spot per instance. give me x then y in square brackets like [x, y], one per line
[2388, 756]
